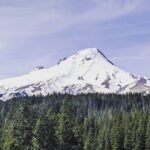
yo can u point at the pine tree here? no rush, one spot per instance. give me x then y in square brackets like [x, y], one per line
[78, 133]
[7, 139]
[17, 131]
[128, 132]
[140, 133]
[65, 126]
[91, 133]
[117, 134]
[44, 133]
[147, 138]
[104, 135]
[23, 127]
[101, 138]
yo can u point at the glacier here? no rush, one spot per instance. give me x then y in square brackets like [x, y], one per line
[87, 71]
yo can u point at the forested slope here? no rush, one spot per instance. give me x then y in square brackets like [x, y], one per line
[81, 122]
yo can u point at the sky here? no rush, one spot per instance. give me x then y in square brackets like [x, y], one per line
[40, 32]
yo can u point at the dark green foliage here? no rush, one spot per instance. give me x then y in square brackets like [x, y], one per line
[128, 128]
[65, 126]
[44, 132]
[78, 133]
[81, 122]
[90, 133]
[117, 134]
[140, 132]
[18, 129]
[147, 142]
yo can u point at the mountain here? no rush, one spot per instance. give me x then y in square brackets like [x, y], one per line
[87, 71]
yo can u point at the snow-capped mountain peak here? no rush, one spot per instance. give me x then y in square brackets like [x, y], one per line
[87, 71]
[92, 52]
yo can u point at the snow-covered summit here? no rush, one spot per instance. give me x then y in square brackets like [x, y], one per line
[89, 52]
[87, 71]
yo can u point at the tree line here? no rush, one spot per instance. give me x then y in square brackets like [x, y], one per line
[81, 122]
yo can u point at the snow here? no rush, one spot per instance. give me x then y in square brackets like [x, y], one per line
[85, 72]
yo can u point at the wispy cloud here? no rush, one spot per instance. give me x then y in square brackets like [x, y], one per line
[30, 31]
[53, 16]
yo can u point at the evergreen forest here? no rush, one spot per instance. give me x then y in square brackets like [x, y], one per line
[79, 122]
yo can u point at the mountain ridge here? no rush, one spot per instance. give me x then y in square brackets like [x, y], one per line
[87, 71]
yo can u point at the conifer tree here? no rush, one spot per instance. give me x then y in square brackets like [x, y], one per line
[44, 133]
[140, 133]
[128, 132]
[65, 126]
[23, 128]
[117, 134]
[147, 142]
[91, 133]
[78, 133]
[19, 129]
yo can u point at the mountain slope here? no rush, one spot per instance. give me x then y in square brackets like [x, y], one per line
[88, 71]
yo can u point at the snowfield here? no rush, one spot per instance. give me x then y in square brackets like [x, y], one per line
[88, 71]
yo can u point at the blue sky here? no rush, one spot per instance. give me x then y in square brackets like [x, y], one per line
[40, 32]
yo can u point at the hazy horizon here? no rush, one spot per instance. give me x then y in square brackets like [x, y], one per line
[34, 33]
